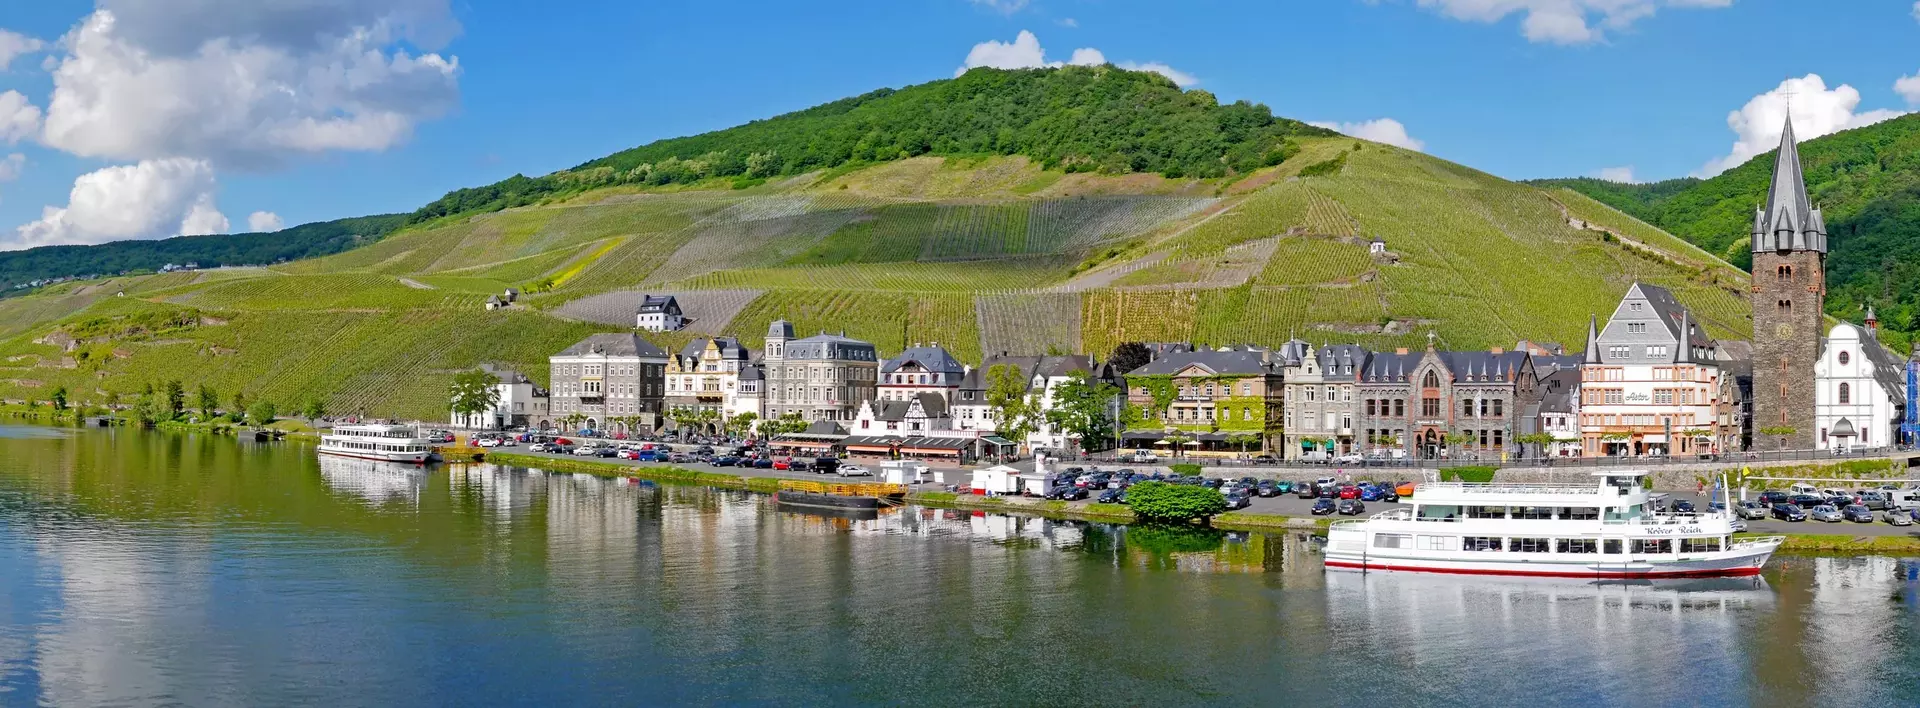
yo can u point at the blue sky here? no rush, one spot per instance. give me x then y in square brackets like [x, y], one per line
[382, 105]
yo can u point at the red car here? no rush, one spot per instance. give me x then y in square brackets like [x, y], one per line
[783, 463]
[628, 454]
[1348, 491]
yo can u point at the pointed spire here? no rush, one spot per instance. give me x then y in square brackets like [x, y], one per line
[1593, 339]
[1873, 323]
[1789, 221]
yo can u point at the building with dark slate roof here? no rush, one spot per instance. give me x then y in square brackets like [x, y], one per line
[921, 369]
[659, 313]
[705, 376]
[1320, 398]
[1041, 374]
[1414, 402]
[1213, 398]
[823, 377]
[610, 382]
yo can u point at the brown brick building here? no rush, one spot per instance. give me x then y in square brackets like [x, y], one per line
[1789, 294]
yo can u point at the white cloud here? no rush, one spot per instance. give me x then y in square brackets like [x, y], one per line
[1005, 7]
[1916, 10]
[1025, 52]
[1623, 175]
[264, 222]
[1379, 130]
[1068, 22]
[245, 83]
[1909, 88]
[152, 199]
[14, 44]
[1817, 111]
[19, 119]
[1563, 21]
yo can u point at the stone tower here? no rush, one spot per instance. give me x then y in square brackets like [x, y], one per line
[1789, 294]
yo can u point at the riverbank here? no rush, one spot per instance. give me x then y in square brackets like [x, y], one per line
[1843, 544]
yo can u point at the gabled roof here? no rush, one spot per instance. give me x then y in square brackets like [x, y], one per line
[1053, 366]
[1557, 390]
[1889, 370]
[932, 404]
[614, 345]
[1216, 363]
[730, 348]
[1342, 362]
[932, 358]
[657, 304]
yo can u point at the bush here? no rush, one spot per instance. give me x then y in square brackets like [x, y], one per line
[1159, 501]
[1477, 475]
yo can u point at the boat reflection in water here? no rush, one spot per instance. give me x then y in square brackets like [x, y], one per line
[375, 483]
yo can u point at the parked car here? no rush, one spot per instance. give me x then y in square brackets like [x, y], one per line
[1351, 458]
[1808, 501]
[1073, 493]
[1058, 493]
[851, 471]
[537, 447]
[783, 463]
[627, 454]
[1875, 499]
[1113, 496]
[1828, 513]
[724, 461]
[824, 465]
[605, 451]
[1305, 491]
[1389, 493]
[1266, 488]
[1235, 502]
[1370, 493]
[1348, 491]
[1352, 507]
[1897, 517]
[1323, 507]
[1405, 489]
[1266, 460]
[763, 463]
[1681, 506]
[1858, 513]
[1772, 497]
[1789, 512]
[1327, 491]
[586, 450]
[1751, 510]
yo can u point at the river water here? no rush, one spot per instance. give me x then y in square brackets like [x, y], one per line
[148, 568]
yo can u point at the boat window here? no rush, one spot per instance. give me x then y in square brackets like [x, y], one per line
[1439, 543]
[1480, 543]
[1700, 545]
[1486, 512]
[1392, 540]
[1529, 545]
[1576, 545]
[1437, 512]
[1653, 545]
[1610, 546]
[1533, 512]
[1623, 513]
[1579, 513]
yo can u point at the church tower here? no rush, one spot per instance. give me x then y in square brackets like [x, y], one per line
[1789, 294]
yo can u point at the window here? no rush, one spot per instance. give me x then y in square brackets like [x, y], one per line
[1657, 351]
[1439, 543]
[1430, 407]
[1530, 545]
[1634, 307]
[1499, 438]
[1246, 389]
[1466, 408]
[1611, 546]
[1784, 272]
[1486, 512]
[1619, 352]
[1663, 397]
[1579, 513]
[1637, 328]
[1844, 357]
[1537, 513]
[1370, 407]
[1431, 381]
[1784, 306]
[1614, 396]
[1700, 545]
[1499, 406]
[1575, 545]
[1480, 543]
[1392, 540]
[1653, 545]
[1400, 407]
[1246, 414]
[1846, 394]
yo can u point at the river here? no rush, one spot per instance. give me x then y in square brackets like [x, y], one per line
[154, 568]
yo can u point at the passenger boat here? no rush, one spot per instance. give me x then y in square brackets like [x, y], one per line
[382, 443]
[1602, 529]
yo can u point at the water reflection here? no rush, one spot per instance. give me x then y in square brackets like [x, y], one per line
[375, 483]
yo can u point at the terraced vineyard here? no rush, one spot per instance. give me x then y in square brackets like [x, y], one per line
[710, 311]
[1028, 323]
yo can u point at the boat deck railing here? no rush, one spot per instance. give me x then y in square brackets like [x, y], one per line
[846, 490]
[1508, 488]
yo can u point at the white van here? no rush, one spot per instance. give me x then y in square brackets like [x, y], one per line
[1803, 488]
[1904, 498]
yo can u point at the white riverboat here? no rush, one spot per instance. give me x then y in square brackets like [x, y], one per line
[382, 443]
[1601, 529]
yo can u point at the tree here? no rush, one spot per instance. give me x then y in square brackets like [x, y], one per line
[314, 409]
[1129, 356]
[474, 392]
[209, 402]
[176, 401]
[1540, 441]
[238, 413]
[1013, 411]
[1456, 439]
[784, 425]
[1160, 501]
[263, 412]
[60, 398]
[1243, 440]
[1083, 408]
[742, 424]
[145, 411]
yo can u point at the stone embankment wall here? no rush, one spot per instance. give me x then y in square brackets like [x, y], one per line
[1672, 477]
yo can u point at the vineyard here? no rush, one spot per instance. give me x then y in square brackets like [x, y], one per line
[891, 321]
[710, 310]
[1029, 323]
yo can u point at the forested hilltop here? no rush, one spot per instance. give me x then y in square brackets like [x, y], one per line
[1074, 119]
[306, 241]
[1866, 180]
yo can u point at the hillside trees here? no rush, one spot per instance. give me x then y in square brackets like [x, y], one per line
[473, 392]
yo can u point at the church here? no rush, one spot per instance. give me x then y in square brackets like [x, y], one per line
[1861, 397]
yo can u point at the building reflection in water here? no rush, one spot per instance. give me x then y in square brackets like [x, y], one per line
[375, 483]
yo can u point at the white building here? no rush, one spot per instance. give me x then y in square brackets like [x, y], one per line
[660, 313]
[1043, 374]
[1651, 374]
[1860, 389]
[751, 395]
[1560, 413]
[521, 403]
[705, 375]
[921, 369]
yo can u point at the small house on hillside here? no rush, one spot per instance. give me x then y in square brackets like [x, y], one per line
[512, 295]
[660, 313]
[494, 303]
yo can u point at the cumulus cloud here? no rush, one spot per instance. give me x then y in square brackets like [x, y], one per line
[1068, 22]
[1623, 175]
[19, 119]
[1817, 111]
[1563, 21]
[1379, 130]
[1025, 52]
[1909, 88]
[14, 44]
[152, 199]
[146, 86]
[264, 222]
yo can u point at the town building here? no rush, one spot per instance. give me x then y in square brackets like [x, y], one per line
[701, 379]
[521, 403]
[1210, 402]
[1043, 375]
[1651, 380]
[823, 377]
[660, 313]
[1320, 401]
[1436, 404]
[751, 395]
[1560, 413]
[921, 415]
[1861, 389]
[1789, 296]
[921, 369]
[610, 382]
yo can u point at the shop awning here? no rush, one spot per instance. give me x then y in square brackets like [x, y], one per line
[1000, 441]
[1143, 435]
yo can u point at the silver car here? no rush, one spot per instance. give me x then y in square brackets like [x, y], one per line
[1751, 510]
[1826, 512]
[1899, 517]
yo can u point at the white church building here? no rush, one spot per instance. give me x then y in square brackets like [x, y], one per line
[1860, 392]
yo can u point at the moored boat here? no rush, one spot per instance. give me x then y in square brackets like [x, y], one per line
[1602, 529]
[382, 443]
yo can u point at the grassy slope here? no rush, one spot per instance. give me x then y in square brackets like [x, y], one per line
[898, 253]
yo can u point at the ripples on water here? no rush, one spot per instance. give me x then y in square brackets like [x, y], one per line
[149, 569]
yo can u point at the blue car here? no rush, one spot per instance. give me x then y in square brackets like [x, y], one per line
[1324, 506]
[1371, 493]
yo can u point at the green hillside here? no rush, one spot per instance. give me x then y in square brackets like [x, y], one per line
[979, 253]
[1867, 181]
[304, 241]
